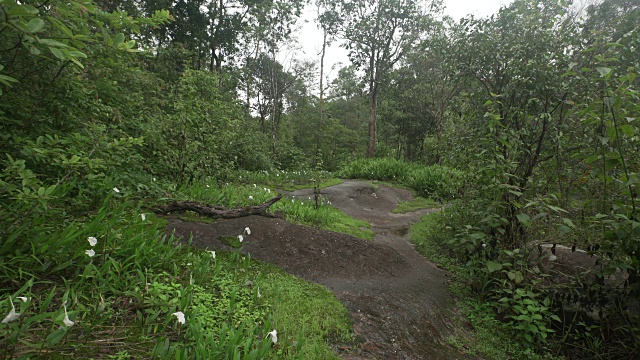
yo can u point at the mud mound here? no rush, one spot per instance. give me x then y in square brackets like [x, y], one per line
[398, 300]
[310, 253]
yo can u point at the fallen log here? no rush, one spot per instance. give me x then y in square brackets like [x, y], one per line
[217, 211]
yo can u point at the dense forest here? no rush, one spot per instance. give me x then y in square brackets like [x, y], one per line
[524, 125]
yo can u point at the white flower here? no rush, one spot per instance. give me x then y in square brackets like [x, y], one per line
[208, 185]
[254, 185]
[259, 295]
[274, 336]
[484, 245]
[116, 189]
[240, 238]
[23, 298]
[269, 191]
[90, 252]
[154, 179]
[247, 230]
[102, 304]
[250, 197]
[13, 315]
[143, 216]
[180, 316]
[92, 241]
[190, 279]
[213, 253]
[66, 320]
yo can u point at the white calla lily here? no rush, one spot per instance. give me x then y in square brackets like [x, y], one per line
[180, 316]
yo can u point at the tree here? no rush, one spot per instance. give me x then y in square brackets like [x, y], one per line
[377, 34]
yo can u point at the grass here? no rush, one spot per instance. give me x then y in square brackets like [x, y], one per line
[122, 300]
[439, 182]
[417, 203]
[297, 210]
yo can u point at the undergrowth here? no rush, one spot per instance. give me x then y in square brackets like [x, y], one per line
[111, 284]
[488, 337]
[437, 182]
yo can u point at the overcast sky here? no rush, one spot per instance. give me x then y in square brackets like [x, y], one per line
[310, 38]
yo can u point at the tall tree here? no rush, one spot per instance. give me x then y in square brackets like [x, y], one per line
[377, 34]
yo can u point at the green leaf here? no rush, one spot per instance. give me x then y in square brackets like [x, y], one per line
[56, 336]
[119, 39]
[493, 266]
[58, 53]
[50, 42]
[604, 71]
[524, 219]
[34, 25]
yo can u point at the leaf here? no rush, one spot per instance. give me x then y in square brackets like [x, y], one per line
[119, 39]
[524, 219]
[56, 336]
[493, 266]
[604, 71]
[58, 53]
[50, 42]
[34, 25]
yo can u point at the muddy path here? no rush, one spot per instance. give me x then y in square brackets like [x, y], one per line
[398, 300]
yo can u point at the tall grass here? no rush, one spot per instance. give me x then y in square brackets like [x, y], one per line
[438, 182]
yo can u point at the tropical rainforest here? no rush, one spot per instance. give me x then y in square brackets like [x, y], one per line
[522, 126]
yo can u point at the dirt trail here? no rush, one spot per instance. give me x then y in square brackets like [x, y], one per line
[398, 300]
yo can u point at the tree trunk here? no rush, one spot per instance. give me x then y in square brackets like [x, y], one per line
[321, 103]
[216, 211]
[373, 107]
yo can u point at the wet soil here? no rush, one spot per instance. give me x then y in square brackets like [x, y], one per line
[397, 299]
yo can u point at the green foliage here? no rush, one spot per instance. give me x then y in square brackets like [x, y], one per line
[415, 204]
[306, 211]
[434, 181]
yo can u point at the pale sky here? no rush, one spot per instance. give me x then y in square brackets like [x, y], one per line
[310, 38]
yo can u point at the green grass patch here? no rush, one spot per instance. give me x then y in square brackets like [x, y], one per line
[438, 182]
[305, 211]
[306, 314]
[191, 216]
[232, 241]
[416, 204]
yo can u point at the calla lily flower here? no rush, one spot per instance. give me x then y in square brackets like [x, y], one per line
[23, 298]
[250, 197]
[213, 253]
[274, 336]
[240, 238]
[90, 252]
[92, 240]
[66, 320]
[247, 230]
[143, 216]
[180, 316]
[116, 189]
[13, 315]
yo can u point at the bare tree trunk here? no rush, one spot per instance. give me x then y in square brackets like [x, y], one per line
[321, 103]
[373, 107]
